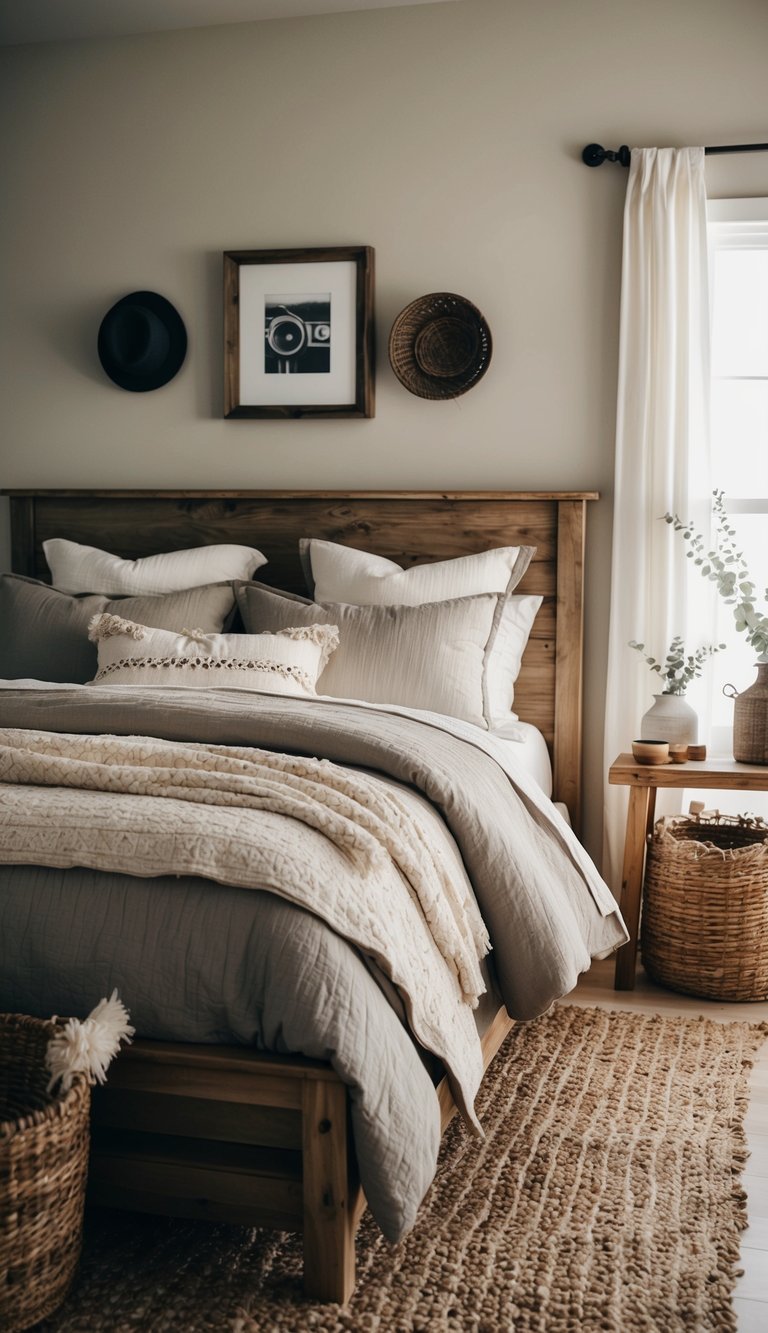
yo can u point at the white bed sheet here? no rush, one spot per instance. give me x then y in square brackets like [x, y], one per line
[529, 748]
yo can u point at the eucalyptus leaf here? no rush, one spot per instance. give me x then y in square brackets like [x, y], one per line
[726, 568]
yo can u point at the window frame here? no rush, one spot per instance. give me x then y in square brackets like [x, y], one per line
[737, 224]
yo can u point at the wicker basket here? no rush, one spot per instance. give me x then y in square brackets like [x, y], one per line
[440, 346]
[705, 907]
[43, 1162]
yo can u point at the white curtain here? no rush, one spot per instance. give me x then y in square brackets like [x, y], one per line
[662, 442]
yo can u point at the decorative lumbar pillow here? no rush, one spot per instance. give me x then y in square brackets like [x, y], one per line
[45, 632]
[287, 662]
[430, 657]
[75, 568]
[337, 573]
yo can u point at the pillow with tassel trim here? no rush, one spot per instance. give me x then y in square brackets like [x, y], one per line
[286, 662]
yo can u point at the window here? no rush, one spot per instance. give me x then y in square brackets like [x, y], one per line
[738, 232]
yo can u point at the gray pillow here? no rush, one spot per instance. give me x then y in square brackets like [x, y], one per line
[432, 657]
[44, 632]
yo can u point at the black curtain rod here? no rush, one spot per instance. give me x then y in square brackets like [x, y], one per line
[595, 156]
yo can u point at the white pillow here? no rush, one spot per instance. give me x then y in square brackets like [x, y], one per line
[505, 653]
[288, 662]
[343, 574]
[75, 568]
[434, 656]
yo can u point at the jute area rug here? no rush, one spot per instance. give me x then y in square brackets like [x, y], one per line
[606, 1196]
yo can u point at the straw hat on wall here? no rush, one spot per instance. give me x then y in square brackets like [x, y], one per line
[440, 345]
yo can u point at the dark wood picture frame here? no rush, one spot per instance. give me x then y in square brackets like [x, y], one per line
[342, 388]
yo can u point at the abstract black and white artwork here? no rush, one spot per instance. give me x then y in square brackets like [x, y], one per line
[297, 333]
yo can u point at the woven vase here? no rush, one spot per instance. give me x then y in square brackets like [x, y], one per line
[670, 719]
[750, 721]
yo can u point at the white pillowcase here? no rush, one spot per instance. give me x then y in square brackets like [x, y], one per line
[505, 653]
[287, 662]
[434, 656]
[343, 574]
[75, 568]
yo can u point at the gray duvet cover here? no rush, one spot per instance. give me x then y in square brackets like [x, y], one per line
[200, 962]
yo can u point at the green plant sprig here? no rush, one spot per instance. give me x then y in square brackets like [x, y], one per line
[678, 669]
[724, 565]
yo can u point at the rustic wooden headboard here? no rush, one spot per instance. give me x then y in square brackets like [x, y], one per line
[407, 526]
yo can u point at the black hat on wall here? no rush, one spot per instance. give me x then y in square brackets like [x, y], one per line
[142, 342]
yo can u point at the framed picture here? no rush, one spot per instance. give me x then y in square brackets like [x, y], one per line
[298, 333]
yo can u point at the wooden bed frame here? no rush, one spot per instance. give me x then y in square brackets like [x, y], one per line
[231, 1134]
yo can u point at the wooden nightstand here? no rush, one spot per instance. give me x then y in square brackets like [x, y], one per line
[643, 781]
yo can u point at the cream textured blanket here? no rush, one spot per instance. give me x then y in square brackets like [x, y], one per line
[337, 842]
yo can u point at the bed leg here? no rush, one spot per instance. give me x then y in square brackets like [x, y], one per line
[329, 1224]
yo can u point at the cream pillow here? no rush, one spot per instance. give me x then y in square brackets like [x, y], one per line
[75, 568]
[505, 654]
[342, 574]
[433, 657]
[286, 662]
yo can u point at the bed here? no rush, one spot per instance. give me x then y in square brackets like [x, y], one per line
[272, 1138]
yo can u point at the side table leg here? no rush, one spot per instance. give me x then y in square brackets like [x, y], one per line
[642, 801]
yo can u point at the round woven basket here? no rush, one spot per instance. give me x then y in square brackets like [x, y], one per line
[440, 346]
[705, 907]
[43, 1163]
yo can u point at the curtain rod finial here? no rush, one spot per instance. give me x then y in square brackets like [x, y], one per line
[595, 155]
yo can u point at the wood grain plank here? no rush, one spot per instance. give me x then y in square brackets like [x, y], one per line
[184, 1190]
[267, 1088]
[159, 1113]
[751, 1316]
[753, 1285]
[328, 1221]
[23, 536]
[756, 1235]
[569, 657]
[296, 494]
[719, 774]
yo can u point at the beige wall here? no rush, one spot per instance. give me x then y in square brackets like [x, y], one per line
[448, 137]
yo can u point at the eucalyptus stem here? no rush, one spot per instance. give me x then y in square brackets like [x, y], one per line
[724, 565]
[678, 668]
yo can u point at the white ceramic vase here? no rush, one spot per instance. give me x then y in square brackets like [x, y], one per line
[670, 719]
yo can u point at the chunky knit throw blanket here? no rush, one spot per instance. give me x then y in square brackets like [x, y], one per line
[338, 842]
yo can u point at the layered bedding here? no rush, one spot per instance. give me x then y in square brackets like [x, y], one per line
[303, 935]
[305, 825]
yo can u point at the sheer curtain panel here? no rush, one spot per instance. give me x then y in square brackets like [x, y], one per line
[662, 442]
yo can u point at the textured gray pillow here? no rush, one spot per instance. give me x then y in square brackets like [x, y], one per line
[44, 632]
[431, 657]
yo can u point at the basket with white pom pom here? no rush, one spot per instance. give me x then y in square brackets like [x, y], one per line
[46, 1072]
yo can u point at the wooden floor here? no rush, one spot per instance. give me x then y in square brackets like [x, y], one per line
[596, 988]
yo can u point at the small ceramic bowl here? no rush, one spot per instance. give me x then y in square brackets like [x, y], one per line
[651, 752]
[678, 753]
